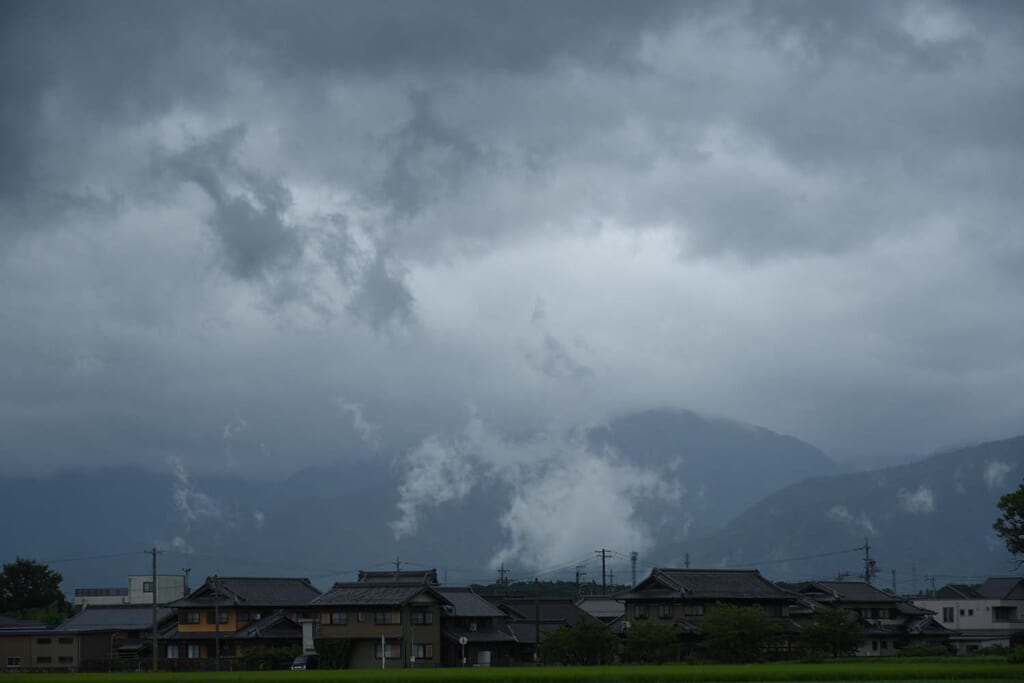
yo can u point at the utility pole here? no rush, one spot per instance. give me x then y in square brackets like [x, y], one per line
[869, 564]
[579, 575]
[611, 577]
[686, 561]
[894, 582]
[398, 568]
[503, 579]
[536, 618]
[632, 562]
[216, 619]
[186, 571]
[156, 647]
[603, 552]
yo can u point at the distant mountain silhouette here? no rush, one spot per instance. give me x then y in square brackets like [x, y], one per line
[932, 517]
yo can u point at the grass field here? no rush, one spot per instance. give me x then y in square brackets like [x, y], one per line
[888, 670]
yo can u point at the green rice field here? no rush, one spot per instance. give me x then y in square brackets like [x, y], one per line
[879, 670]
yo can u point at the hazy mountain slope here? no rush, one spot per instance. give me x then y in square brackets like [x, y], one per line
[933, 516]
[722, 466]
[327, 521]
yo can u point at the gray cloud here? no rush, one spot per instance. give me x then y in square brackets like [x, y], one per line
[797, 214]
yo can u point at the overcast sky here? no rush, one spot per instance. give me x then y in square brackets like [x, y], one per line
[253, 236]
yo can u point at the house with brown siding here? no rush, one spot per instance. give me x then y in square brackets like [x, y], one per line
[390, 624]
[226, 616]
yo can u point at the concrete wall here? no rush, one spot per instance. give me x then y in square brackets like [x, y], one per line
[974, 614]
[168, 587]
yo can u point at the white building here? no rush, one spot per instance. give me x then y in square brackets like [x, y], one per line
[983, 616]
[139, 591]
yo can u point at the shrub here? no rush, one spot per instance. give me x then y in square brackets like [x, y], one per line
[924, 650]
[268, 658]
[334, 652]
[737, 634]
[1016, 655]
[649, 642]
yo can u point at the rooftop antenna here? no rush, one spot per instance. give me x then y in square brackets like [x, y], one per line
[632, 561]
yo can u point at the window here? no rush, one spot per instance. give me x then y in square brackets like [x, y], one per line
[693, 610]
[885, 644]
[193, 652]
[221, 615]
[65, 660]
[423, 651]
[773, 610]
[970, 613]
[44, 660]
[244, 616]
[172, 652]
[883, 613]
[962, 612]
[422, 617]
[43, 641]
[640, 611]
[387, 617]
[361, 617]
[390, 651]
[472, 626]
[66, 641]
[191, 617]
[13, 662]
[947, 615]
[339, 618]
[147, 586]
[874, 644]
[664, 611]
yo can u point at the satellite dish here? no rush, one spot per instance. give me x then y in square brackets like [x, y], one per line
[463, 640]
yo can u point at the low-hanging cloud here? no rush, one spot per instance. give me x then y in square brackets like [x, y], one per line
[918, 502]
[564, 498]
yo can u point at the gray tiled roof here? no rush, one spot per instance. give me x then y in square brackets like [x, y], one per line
[466, 603]
[496, 634]
[707, 584]
[114, 618]
[251, 591]
[1003, 588]
[370, 594]
[12, 623]
[852, 591]
[601, 607]
[958, 591]
[552, 610]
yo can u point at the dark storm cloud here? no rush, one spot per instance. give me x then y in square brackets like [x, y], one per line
[253, 211]
[253, 232]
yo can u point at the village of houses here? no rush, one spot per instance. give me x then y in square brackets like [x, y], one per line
[410, 619]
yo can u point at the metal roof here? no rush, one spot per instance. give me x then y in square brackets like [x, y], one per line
[114, 618]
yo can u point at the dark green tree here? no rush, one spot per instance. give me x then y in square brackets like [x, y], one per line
[834, 631]
[731, 633]
[649, 642]
[588, 641]
[27, 585]
[1010, 524]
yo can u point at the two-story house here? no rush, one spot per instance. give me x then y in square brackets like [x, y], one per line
[226, 616]
[686, 597]
[530, 619]
[389, 624]
[887, 623]
[472, 627]
[991, 614]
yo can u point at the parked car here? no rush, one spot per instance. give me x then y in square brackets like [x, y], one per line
[303, 662]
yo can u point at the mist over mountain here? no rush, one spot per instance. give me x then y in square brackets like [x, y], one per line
[689, 475]
[929, 518]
